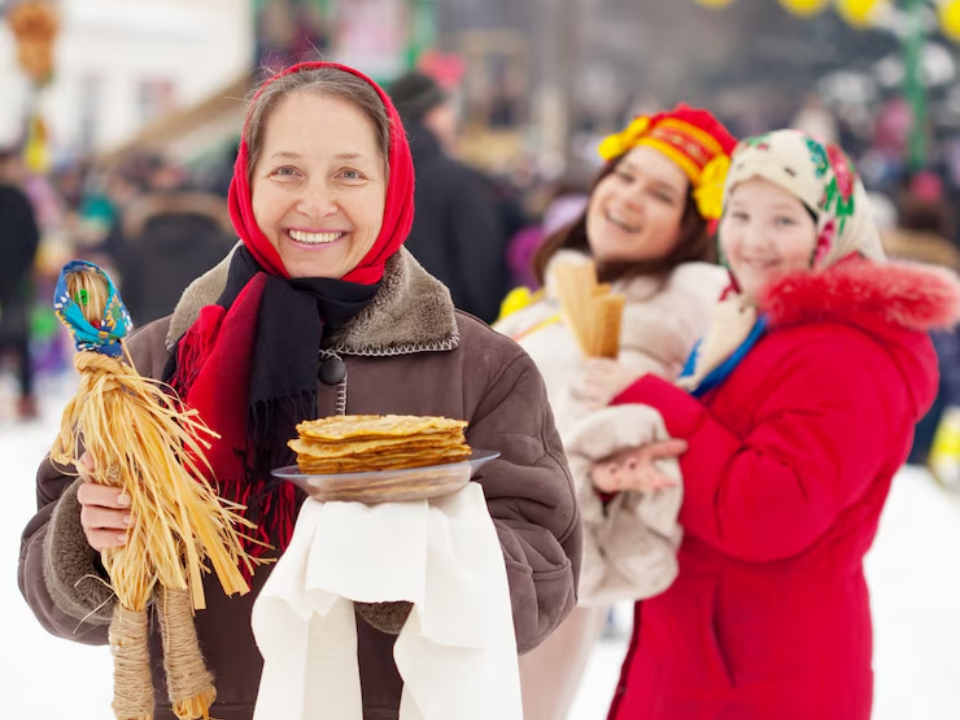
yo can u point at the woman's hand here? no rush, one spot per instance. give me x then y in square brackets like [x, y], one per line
[106, 510]
[635, 468]
[601, 380]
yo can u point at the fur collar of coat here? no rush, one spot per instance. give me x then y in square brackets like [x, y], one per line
[412, 312]
[907, 295]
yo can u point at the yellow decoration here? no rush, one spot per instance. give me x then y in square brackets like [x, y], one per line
[709, 195]
[516, 300]
[950, 19]
[804, 8]
[715, 4]
[859, 13]
[36, 152]
[944, 458]
[617, 144]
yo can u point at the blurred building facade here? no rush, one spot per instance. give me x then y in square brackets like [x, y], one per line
[122, 64]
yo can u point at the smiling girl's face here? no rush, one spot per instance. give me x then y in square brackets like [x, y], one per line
[319, 186]
[635, 212]
[766, 232]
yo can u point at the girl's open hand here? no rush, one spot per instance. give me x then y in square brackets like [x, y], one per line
[635, 469]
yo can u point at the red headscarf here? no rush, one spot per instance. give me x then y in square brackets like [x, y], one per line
[397, 215]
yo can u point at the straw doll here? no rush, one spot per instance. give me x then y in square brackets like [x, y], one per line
[153, 449]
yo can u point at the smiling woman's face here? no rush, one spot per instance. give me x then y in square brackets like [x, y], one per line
[766, 232]
[319, 186]
[635, 213]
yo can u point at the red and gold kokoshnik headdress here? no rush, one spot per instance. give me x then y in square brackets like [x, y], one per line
[694, 139]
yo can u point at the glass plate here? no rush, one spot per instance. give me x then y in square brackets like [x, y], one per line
[381, 486]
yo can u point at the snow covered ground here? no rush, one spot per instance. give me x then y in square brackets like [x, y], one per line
[913, 569]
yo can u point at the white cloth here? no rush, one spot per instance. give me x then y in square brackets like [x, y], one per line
[457, 653]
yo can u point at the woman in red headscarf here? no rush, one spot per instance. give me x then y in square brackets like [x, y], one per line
[320, 291]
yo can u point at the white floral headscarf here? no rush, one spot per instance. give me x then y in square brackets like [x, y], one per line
[822, 177]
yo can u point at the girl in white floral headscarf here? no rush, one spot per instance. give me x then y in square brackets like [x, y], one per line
[797, 411]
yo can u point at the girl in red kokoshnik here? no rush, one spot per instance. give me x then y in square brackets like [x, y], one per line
[646, 228]
[797, 410]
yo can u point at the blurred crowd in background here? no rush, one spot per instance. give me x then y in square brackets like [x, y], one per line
[490, 185]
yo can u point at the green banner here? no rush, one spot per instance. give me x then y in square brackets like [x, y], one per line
[913, 87]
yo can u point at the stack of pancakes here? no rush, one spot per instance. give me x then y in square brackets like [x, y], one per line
[369, 443]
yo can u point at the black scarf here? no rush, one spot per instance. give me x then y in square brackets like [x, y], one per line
[288, 319]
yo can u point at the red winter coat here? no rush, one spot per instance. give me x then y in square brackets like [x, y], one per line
[789, 463]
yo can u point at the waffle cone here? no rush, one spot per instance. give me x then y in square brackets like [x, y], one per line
[593, 313]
